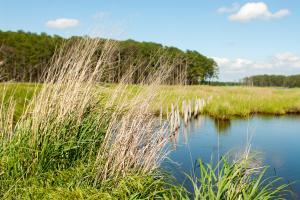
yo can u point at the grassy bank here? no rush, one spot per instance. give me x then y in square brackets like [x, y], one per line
[226, 102]
[62, 159]
[65, 140]
[231, 101]
[73, 138]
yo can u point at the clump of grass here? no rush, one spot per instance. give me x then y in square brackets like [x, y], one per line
[69, 184]
[239, 179]
[60, 124]
[135, 139]
[66, 130]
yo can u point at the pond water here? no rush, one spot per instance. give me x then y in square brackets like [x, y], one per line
[276, 138]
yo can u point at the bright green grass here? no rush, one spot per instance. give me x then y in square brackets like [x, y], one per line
[235, 101]
[58, 159]
[226, 102]
[76, 183]
[59, 163]
[236, 180]
[21, 93]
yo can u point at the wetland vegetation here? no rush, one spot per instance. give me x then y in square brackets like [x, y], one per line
[74, 137]
[227, 101]
[149, 100]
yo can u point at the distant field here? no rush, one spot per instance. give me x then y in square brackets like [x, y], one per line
[230, 101]
[20, 92]
[227, 101]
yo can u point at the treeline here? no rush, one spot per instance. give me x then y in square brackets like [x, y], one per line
[24, 56]
[221, 83]
[273, 81]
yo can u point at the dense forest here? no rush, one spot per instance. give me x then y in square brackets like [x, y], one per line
[273, 80]
[24, 56]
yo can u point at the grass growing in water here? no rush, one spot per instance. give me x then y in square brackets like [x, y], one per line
[76, 140]
[236, 180]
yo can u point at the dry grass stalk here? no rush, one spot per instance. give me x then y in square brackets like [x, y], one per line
[174, 119]
[6, 116]
[135, 139]
[69, 85]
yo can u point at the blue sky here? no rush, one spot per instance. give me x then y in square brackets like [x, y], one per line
[244, 37]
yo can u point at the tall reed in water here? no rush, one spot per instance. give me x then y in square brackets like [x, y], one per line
[239, 179]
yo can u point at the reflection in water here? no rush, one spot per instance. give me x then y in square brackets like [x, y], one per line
[185, 135]
[222, 126]
[174, 139]
[276, 139]
[196, 124]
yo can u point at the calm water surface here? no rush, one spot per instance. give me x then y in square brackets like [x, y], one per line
[276, 138]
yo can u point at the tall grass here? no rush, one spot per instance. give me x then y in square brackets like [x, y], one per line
[239, 179]
[66, 130]
[77, 140]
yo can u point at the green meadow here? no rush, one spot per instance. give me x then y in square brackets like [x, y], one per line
[236, 101]
[226, 101]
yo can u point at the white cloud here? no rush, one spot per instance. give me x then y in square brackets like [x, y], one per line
[257, 10]
[62, 23]
[287, 58]
[282, 63]
[234, 64]
[230, 9]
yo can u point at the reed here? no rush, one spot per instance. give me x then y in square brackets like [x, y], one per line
[134, 139]
[239, 179]
[67, 127]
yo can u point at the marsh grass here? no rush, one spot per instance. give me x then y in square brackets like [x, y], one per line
[70, 184]
[234, 101]
[227, 102]
[77, 138]
[18, 93]
[70, 142]
[238, 179]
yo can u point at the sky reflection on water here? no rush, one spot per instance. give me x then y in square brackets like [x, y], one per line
[277, 139]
